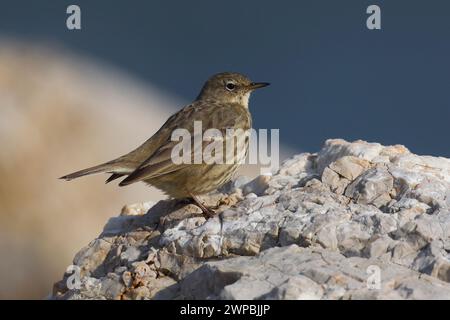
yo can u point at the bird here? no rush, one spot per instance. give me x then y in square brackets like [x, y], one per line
[222, 104]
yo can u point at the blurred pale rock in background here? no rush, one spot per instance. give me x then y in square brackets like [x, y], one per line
[353, 221]
[59, 113]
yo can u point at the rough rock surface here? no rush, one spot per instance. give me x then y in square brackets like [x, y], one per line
[353, 221]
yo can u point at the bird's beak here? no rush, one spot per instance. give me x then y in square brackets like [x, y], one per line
[257, 85]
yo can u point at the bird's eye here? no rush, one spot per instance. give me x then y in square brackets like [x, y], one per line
[230, 86]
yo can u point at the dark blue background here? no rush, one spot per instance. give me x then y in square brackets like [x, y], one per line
[330, 75]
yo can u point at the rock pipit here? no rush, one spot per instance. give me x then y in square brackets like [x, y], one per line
[222, 105]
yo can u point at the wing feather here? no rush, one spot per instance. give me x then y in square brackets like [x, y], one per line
[211, 114]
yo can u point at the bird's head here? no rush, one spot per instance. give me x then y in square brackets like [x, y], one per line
[229, 87]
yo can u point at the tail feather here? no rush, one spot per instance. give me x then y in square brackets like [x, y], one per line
[106, 167]
[114, 176]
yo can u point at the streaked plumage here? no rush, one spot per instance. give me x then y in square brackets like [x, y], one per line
[222, 104]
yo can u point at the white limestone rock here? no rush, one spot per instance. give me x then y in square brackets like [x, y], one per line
[310, 231]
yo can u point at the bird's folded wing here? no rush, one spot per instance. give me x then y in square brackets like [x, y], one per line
[161, 162]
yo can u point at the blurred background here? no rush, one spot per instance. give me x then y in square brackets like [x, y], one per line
[73, 98]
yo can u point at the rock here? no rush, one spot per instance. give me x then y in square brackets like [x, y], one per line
[354, 221]
[341, 172]
[335, 149]
[295, 288]
[305, 273]
[235, 185]
[349, 167]
[372, 187]
[136, 209]
[336, 183]
[257, 185]
[90, 259]
[379, 247]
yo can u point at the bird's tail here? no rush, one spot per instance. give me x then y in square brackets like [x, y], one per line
[108, 167]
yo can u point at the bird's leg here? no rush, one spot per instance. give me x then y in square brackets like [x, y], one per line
[209, 213]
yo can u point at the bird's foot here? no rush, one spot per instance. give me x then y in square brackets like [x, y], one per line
[207, 212]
